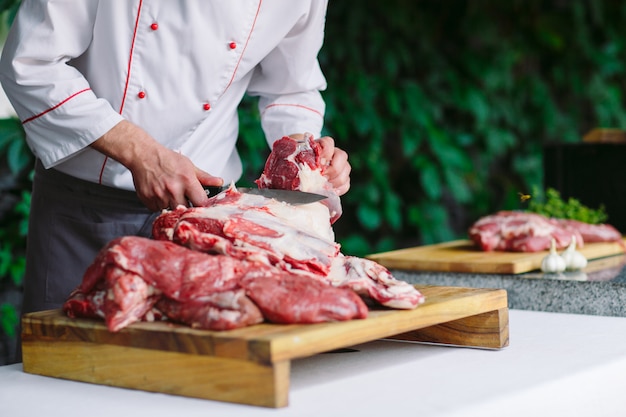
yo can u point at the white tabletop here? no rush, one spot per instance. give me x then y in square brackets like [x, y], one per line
[556, 365]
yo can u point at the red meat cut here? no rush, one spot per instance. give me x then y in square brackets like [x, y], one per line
[297, 165]
[224, 310]
[374, 283]
[132, 274]
[246, 226]
[295, 239]
[530, 232]
[135, 278]
[240, 260]
[280, 300]
[592, 232]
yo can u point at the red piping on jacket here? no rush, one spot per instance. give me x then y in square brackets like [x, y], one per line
[130, 61]
[285, 104]
[30, 119]
[258, 9]
[130, 57]
[292, 105]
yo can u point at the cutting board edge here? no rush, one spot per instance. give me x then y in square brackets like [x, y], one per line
[470, 313]
[267, 343]
[424, 258]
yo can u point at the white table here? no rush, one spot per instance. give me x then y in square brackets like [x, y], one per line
[556, 365]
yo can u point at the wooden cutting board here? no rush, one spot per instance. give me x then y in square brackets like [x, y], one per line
[463, 256]
[249, 365]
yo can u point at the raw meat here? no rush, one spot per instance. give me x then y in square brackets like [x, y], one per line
[80, 304]
[163, 226]
[530, 232]
[135, 279]
[178, 272]
[131, 274]
[240, 260]
[263, 230]
[373, 281]
[245, 226]
[294, 165]
[285, 300]
[225, 310]
[519, 232]
[592, 232]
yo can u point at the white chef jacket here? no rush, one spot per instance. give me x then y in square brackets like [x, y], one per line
[177, 68]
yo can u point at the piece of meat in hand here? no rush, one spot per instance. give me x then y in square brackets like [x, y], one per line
[296, 165]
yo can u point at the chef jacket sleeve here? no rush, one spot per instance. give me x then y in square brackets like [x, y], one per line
[289, 80]
[59, 112]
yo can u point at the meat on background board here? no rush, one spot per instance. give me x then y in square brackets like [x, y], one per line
[241, 260]
[531, 232]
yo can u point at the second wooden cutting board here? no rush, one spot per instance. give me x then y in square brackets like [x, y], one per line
[463, 256]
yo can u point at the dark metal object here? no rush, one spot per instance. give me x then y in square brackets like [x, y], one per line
[288, 196]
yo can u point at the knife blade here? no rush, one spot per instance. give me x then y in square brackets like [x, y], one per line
[287, 196]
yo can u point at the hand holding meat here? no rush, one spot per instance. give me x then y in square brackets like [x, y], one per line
[297, 163]
[337, 166]
[332, 160]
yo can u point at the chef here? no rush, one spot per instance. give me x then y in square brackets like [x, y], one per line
[130, 107]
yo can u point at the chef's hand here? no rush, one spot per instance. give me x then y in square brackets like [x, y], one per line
[337, 166]
[170, 179]
[163, 178]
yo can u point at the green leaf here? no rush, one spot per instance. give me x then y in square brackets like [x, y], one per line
[19, 156]
[6, 258]
[477, 104]
[385, 244]
[17, 269]
[552, 205]
[458, 187]
[10, 131]
[431, 181]
[8, 320]
[369, 216]
[356, 245]
[410, 142]
[393, 214]
[432, 222]
[394, 102]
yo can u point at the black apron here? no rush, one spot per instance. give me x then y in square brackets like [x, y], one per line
[70, 221]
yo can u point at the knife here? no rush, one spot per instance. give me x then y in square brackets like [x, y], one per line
[287, 196]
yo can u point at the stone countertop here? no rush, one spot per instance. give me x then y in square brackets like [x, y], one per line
[600, 289]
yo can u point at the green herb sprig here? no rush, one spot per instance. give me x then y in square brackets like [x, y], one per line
[555, 206]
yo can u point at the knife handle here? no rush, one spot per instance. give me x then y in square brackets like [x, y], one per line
[212, 190]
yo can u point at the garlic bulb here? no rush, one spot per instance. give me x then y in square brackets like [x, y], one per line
[553, 262]
[574, 260]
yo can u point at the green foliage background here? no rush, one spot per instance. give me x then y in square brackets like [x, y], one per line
[443, 106]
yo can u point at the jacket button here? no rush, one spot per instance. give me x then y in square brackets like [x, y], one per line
[232, 45]
[154, 26]
[141, 94]
[206, 106]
